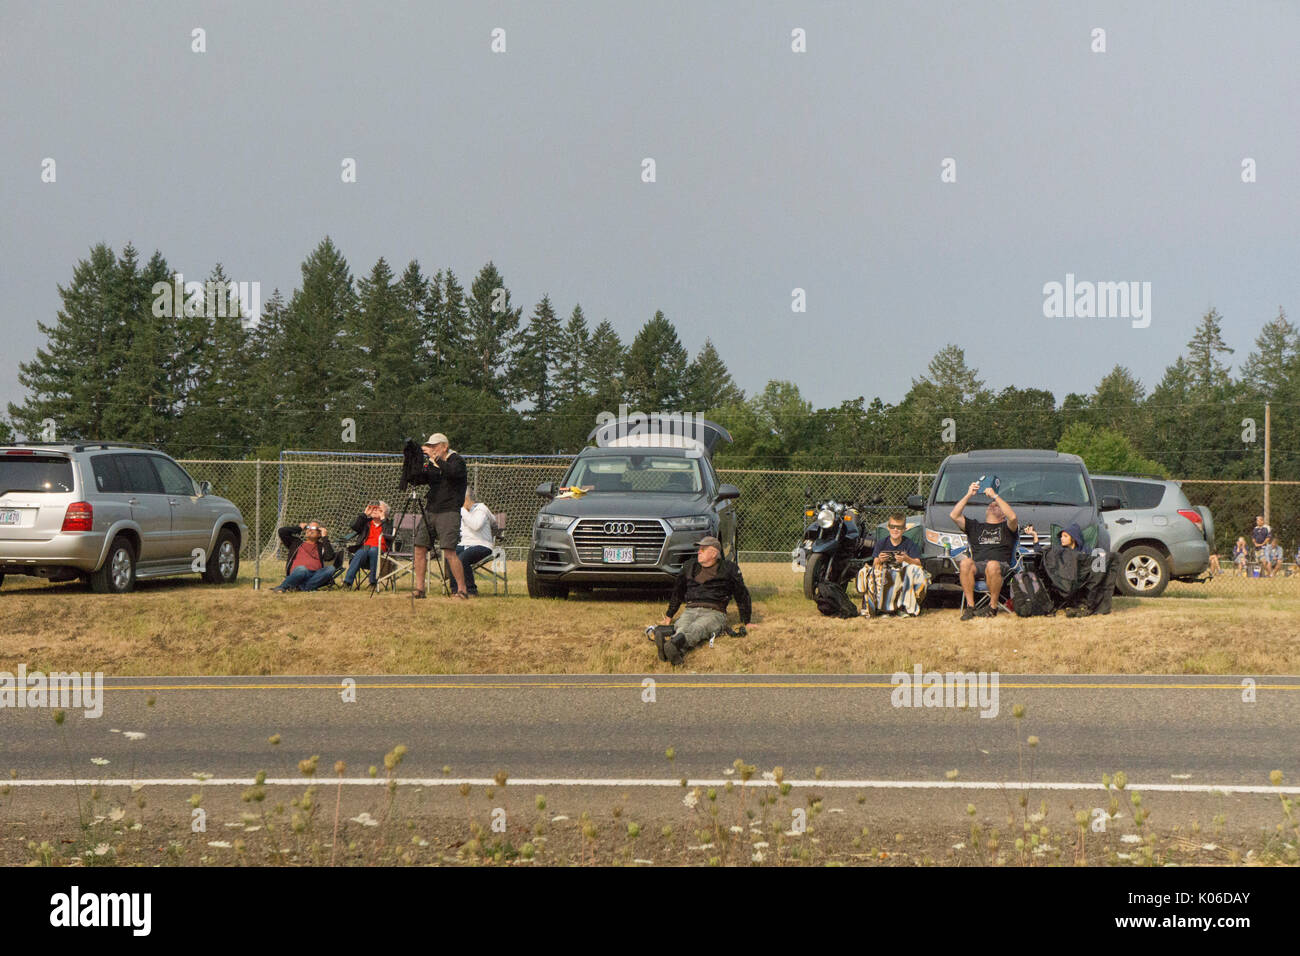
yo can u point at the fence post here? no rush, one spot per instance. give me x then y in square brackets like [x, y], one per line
[1268, 448]
[257, 526]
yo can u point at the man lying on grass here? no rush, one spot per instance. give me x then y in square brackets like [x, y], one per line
[705, 585]
[992, 545]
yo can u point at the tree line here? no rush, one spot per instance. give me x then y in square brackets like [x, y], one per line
[400, 353]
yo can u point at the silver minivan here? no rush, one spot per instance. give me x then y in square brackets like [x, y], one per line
[111, 514]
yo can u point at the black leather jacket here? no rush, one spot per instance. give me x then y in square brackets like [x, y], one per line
[715, 592]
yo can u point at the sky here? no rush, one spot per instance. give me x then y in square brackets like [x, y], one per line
[775, 170]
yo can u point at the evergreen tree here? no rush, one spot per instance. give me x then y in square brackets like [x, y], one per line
[1117, 402]
[216, 377]
[71, 379]
[266, 395]
[538, 358]
[1270, 370]
[382, 347]
[148, 388]
[708, 384]
[655, 367]
[575, 344]
[604, 367]
[1208, 374]
[493, 327]
[315, 375]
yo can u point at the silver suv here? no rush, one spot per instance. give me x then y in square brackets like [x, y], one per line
[1157, 533]
[111, 513]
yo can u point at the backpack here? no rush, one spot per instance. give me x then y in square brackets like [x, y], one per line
[834, 602]
[1029, 597]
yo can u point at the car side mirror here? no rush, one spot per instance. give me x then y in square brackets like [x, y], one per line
[726, 492]
[546, 489]
[916, 502]
[1111, 503]
[205, 488]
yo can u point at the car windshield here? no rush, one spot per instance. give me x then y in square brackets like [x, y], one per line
[35, 474]
[656, 474]
[1021, 483]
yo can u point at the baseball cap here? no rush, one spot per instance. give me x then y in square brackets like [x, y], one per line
[437, 438]
[711, 542]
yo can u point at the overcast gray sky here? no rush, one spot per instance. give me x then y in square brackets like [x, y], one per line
[775, 169]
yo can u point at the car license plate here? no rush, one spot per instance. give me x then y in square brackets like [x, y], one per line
[620, 555]
[9, 517]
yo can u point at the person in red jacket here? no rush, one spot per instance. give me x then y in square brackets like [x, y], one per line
[374, 531]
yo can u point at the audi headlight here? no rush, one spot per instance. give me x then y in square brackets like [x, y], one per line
[558, 522]
[825, 518]
[691, 523]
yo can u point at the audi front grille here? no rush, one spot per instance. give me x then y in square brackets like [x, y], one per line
[592, 536]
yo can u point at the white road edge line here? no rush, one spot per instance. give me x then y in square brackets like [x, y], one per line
[326, 780]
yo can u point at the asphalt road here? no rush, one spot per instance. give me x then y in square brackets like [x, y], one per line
[1161, 731]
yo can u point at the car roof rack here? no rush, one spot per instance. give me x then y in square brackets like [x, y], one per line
[82, 445]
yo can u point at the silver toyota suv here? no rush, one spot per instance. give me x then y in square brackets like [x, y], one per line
[1157, 533]
[111, 513]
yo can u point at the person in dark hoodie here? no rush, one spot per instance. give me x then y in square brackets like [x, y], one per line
[1069, 567]
[705, 586]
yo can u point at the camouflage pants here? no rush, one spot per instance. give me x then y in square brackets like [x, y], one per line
[698, 624]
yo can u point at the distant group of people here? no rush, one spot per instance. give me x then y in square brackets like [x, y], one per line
[1264, 550]
[449, 516]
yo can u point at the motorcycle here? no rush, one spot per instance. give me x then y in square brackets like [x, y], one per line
[835, 546]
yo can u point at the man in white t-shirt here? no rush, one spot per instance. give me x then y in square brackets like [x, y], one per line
[475, 540]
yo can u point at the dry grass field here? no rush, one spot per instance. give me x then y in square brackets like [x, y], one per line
[184, 627]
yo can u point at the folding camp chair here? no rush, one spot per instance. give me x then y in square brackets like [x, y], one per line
[492, 564]
[982, 596]
[400, 559]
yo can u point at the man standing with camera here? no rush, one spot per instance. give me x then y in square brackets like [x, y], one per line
[445, 473]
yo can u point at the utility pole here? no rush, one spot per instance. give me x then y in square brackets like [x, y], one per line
[1268, 449]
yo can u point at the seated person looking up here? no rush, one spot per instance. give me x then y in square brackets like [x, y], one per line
[375, 536]
[311, 557]
[705, 585]
[991, 549]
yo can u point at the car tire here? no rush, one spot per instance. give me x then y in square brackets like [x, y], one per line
[117, 574]
[538, 589]
[814, 574]
[1143, 572]
[224, 566]
[2, 580]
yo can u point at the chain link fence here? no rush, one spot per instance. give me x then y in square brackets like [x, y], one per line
[333, 488]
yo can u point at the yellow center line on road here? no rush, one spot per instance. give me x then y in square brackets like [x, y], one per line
[693, 685]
